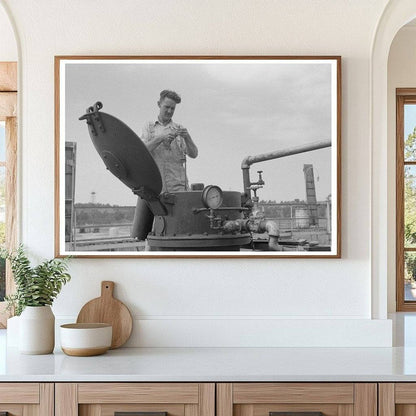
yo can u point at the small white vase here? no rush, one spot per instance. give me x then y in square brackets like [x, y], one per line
[37, 330]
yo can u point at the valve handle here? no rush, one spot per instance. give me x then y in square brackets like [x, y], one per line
[260, 181]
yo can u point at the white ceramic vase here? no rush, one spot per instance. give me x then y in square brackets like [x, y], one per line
[37, 330]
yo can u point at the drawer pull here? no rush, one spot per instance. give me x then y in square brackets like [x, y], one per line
[296, 414]
[139, 414]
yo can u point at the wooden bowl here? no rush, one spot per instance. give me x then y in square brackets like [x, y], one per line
[87, 339]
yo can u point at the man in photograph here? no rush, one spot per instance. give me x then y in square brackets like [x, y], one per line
[169, 143]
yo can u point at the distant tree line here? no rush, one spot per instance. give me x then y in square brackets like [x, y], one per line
[94, 205]
[287, 209]
[98, 214]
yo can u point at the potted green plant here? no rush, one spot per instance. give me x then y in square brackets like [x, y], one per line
[36, 289]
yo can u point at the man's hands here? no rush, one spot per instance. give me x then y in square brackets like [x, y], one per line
[166, 137]
[170, 134]
[191, 149]
[183, 132]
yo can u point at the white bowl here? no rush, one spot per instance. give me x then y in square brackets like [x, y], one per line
[84, 340]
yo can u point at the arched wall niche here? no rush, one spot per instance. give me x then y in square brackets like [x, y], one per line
[396, 14]
[401, 74]
[9, 54]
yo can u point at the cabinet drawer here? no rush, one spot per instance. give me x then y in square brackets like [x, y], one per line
[138, 393]
[397, 399]
[153, 399]
[21, 399]
[296, 399]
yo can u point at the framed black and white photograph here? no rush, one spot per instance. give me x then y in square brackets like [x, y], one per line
[198, 156]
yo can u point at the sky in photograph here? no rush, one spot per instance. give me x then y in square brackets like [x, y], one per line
[231, 110]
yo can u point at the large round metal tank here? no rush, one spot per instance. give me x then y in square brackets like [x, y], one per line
[187, 227]
[302, 218]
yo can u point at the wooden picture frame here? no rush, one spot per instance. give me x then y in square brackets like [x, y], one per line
[281, 113]
[404, 291]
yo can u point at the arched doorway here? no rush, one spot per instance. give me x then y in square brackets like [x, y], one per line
[8, 148]
[396, 14]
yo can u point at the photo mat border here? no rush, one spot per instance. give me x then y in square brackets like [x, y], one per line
[60, 83]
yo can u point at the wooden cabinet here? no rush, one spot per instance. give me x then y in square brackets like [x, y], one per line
[297, 399]
[106, 399]
[397, 399]
[208, 399]
[27, 399]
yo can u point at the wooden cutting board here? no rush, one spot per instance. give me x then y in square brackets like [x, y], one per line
[107, 309]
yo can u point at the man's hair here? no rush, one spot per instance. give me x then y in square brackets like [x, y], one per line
[170, 94]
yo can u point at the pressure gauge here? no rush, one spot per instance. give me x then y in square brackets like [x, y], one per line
[212, 196]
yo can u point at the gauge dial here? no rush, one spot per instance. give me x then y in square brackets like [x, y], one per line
[212, 196]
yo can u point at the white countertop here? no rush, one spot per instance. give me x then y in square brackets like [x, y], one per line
[213, 364]
[222, 364]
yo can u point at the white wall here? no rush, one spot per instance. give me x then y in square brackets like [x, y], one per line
[401, 74]
[8, 47]
[179, 302]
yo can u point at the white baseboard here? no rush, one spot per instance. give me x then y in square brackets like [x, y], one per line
[255, 332]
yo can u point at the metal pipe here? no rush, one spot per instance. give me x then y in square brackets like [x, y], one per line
[249, 160]
[246, 181]
[199, 210]
[239, 225]
[272, 229]
[263, 226]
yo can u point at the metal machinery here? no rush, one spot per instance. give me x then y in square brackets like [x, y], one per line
[203, 219]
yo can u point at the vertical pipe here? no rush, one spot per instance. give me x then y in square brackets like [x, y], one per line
[246, 181]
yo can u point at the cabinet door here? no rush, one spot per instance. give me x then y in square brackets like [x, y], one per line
[397, 399]
[26, 399]
[297, 399]
[143, 399]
